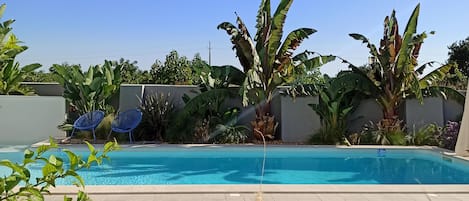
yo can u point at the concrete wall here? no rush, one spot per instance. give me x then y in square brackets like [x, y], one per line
[415, 115]
[367, 111]
[247, 113]
[418, 115]
[452, 110]
[176, 92]
[46, 88]
[130, 96]
[29, 119]
[297, 120]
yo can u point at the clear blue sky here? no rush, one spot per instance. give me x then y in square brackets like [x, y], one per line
[88, 31]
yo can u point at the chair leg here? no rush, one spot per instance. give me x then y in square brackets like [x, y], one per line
[130, 137]
[110, 132]
[94, 137]
[73, 131]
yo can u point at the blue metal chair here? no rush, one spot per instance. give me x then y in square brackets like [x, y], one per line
[125, 122]
[88, 121]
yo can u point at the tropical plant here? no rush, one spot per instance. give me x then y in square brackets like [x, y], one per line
[376, 133]
[21, 185]
[269, 63]
[454, 79]
[427, 135]
[11, 74]
[193, 122]
[203, 112]
[92, 90]
[394, 73]
[227, 131]
[450, 135]
[156, 110]
[336, 101]
[229, 134]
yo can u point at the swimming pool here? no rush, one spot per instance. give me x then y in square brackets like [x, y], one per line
[292, 165]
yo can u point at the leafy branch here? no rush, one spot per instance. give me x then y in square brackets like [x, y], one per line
[54, 168]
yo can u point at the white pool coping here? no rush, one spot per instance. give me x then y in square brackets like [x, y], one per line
[269, 188]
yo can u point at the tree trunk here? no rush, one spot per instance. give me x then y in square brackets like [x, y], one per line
[390, 119]
[264, 124]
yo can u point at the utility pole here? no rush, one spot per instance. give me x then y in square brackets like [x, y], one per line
[209, 53]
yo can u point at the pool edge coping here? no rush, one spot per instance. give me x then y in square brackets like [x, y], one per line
[267, 188]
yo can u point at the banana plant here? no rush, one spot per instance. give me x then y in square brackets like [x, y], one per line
[89, 91]
[11, 76]
[337, 100]
[395, 72]
[267, 61]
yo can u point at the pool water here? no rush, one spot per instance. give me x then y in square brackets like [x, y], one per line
[242, 165]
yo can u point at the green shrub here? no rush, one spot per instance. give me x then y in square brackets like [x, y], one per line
[227, 131]
[229, 134]
[156, 110]
[377, 133]
[327, 135]
[427, 135]
[396, 137]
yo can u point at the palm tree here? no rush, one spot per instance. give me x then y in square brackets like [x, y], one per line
[269, 63]
[394, 72]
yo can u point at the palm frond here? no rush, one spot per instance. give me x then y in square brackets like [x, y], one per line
[446, 93]
[242, 44]
[278, 20]
[317, 62]
[436, 75]
[293, 40]
[371, 46]
[263, 25]
[404, 53]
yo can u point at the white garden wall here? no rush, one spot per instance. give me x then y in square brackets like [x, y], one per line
[29, 119]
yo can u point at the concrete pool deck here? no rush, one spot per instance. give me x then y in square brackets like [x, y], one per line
[271, 192]
[276, 197]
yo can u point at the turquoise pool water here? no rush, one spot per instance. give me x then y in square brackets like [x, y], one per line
[242, 165]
